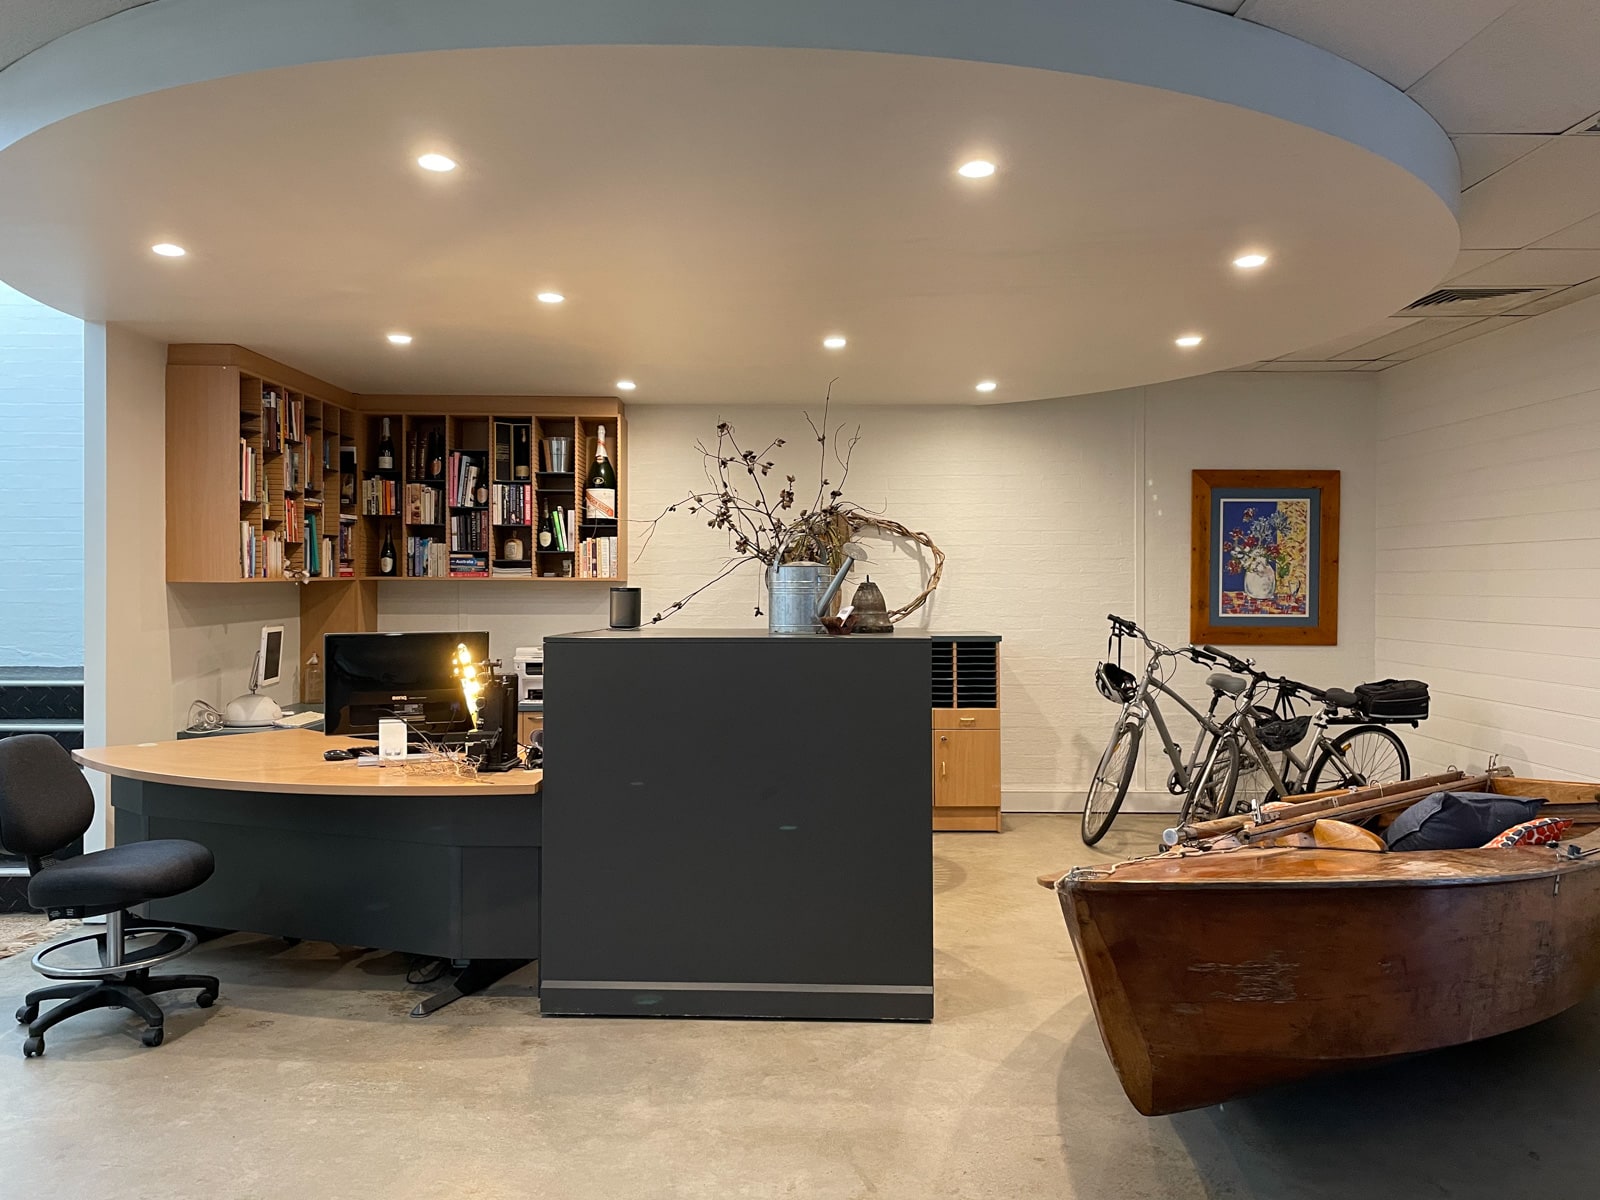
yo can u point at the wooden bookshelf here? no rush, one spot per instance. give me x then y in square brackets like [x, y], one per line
[312, 448]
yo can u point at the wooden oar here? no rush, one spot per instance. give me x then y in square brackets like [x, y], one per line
[1352, 812]
[1318, 803]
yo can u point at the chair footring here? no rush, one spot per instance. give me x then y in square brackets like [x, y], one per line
[174, 943]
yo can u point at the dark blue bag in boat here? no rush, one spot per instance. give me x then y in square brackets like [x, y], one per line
[1458, 820]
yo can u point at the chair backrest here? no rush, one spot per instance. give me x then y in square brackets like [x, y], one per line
[45, 802]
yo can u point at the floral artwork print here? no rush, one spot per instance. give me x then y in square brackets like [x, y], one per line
[1265, 563]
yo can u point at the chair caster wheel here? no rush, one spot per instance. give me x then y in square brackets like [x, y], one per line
[27, 1014]
[153, 1037]
[205, 999]
[32, 1047]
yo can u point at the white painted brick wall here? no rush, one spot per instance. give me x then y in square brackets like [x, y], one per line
[1488, 529]
[1038, 507]
[41, 484]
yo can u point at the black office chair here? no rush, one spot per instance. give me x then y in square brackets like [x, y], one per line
[45, 806]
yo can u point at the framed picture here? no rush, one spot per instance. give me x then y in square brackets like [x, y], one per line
[1264, 558]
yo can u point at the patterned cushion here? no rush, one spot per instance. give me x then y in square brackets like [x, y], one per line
[1538, 832]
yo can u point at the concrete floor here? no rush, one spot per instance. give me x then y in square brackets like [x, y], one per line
[308, 1080]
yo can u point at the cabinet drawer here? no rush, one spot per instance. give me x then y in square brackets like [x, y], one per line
[966, 718]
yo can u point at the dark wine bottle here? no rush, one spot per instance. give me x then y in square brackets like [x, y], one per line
[519, 453]
[435, 454]
[600, 489]
[385, 448]
[386, 556]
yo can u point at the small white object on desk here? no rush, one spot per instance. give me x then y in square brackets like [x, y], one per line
[391, 739]
[378, 760]
[296, 720]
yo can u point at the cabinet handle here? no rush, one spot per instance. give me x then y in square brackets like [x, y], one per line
[969, 720]
[942, 772]
[942, 738]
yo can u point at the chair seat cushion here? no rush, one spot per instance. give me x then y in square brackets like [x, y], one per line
[122, 875]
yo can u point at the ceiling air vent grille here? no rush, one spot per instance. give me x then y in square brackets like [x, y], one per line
[1464, 301]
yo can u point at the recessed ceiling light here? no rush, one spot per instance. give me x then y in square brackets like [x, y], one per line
[834, 342]
[400, 339]
[1249, 262]
[988, 385]
[168, 250]
[978, 168]
[1188, 340]
[626, 385]
[436, 162]
[551, 297]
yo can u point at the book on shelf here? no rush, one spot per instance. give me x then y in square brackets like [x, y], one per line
[252, 484]
[271, 426]
[379, 497]
[465, 473]
[469, 566]
[424, 504]
[426, 558]
[511, 503]
[596, 558]
[469, 532]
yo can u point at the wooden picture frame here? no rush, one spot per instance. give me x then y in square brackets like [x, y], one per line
[1264, 558]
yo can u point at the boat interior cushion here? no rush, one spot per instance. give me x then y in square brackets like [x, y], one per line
[1458, 820]
[1228, 685]
[1540, 831]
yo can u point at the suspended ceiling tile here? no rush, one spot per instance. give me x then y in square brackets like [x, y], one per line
[1482, 154]
[1382, 364]
[1426, 329]
[1585, 235]
[1360, 337]
[1559, 299]
[1540, 194]
[1225, 6]
[1540, 268]
[1397, 40]
[1535, 70]
[1296, 365]
[1474, 329]
[1468, 261]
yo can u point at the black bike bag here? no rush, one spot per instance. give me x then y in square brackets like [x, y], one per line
[1394, 699]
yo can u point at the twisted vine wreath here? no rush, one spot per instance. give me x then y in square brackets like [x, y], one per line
[758, 521]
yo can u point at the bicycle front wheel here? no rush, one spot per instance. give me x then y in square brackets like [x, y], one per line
[1212, 789]
[1111, 779]
[1367, 755]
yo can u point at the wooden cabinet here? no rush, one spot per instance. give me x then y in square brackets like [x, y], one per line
[527, 724]
[966, 732]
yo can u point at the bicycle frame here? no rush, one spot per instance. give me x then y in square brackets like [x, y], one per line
[1144, 706]
[1284, 782]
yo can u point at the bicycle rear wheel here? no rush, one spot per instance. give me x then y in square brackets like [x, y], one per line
[1111, 779]
[1373, 754]
[1212, 789]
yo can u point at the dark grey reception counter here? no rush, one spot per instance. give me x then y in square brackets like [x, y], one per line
[736, 825]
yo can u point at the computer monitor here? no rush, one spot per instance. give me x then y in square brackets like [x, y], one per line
[253, 711]
[270, 663]
[369, 676]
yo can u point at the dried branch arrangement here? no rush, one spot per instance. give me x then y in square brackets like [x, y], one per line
[756, 508]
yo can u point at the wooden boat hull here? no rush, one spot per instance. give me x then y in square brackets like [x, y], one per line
[1217, 975]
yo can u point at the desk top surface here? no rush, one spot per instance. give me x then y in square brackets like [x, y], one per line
[290, 760]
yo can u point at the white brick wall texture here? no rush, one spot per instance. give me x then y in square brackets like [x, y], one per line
[41, 484]
[1052, 514]
[1488, 536]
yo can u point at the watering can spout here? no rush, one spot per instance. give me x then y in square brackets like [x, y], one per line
[852, 553]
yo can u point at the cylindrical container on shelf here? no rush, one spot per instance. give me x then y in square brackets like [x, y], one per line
[625, 608]
[391, 738]
[558, 453]
[793, 593]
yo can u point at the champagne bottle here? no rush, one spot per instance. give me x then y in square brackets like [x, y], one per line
[547, 531]
[385, 449]
[600, 489]
[386, 556]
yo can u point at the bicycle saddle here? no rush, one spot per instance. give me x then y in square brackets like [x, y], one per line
[1343, 699]
[1221, 681]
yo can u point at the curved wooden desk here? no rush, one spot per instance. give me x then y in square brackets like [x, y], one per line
[429, 864]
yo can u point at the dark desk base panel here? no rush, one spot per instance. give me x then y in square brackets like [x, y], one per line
[446, 877]
[794, 1002]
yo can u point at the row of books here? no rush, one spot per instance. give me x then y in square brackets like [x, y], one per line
[347, 547]
[252, 479]
[464, 475]
[260, 553]
[424, 504]
[427, 557]
[281, 421]
[512, 503]
[563, 525]
[379, 497]
[596, 558]
[469, 566]
[294, 469]
[469, 532]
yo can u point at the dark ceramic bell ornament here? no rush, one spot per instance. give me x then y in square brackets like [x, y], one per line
[872, 614]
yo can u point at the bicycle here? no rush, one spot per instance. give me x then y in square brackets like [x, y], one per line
[1137, 696]
[1253, 760]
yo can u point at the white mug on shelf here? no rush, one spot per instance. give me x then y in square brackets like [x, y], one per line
[391, 738]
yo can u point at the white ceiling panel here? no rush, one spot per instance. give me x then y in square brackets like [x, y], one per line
[1482, 154]
[1541, 268]
[1397, 40]
[26, 27]
[1359, 337]
[1540, 194]
[1452, 336]
[1382, 364]
[1554, 300]
[1226, 6]
[1470, 260]
[1585, 235]
[1289, 364]
[1426, 330]
[1535, 70]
